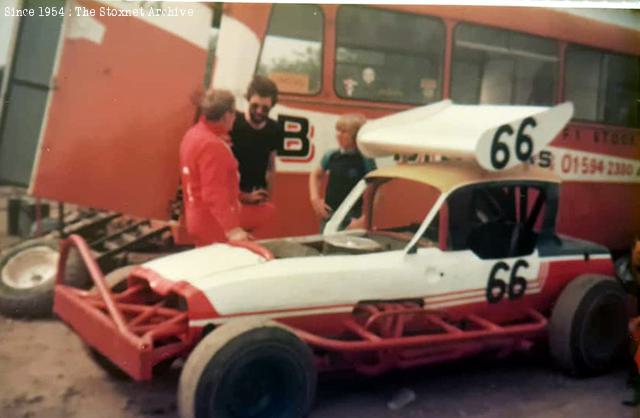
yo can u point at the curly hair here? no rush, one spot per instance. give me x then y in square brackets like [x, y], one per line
[263, 87]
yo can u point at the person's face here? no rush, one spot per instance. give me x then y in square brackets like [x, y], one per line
[368, 75]
[259, 108]
[345, 138]
[229, 118]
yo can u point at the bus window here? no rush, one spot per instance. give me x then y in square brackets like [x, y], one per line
[292, 51]
[494, 66]
[581, 86]
[622, 90]
[603, 87]
[388, 56]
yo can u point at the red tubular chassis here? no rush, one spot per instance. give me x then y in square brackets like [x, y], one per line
[132, 330]
[146, 324]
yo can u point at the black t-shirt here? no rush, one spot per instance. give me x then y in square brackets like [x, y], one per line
[252, 149]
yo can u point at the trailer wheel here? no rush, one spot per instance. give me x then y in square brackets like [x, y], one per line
[27, 276]
[588, 327]
[248, 368]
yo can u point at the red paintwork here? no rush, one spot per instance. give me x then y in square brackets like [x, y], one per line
[116, 118]
[606, 213]
[133, 329]
[294, 215]
[408, 335]
[136, 331]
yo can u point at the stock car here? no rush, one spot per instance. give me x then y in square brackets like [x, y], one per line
[449, 259]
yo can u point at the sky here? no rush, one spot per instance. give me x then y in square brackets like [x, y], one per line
[5, 30]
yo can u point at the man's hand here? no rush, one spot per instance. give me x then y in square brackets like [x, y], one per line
[238, 234]
[321, 208]
[255, 197]
[357, 223]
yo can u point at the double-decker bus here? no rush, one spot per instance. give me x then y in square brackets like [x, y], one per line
[114, 95]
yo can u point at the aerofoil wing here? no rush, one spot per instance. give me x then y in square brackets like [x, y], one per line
[497, 137]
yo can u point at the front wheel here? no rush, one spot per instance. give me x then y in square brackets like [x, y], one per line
[588, 327]
[248, 369]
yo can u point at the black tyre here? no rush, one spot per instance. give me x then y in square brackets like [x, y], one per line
[27, 277]
[588, 327]
[248, 368]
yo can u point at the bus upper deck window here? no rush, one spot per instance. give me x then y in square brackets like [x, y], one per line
[604, 87]
[496, 66]
[388, 56]
[292, 50]
[622, 90]
[582, 81]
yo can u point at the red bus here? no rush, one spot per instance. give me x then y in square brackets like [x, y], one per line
[116, 100]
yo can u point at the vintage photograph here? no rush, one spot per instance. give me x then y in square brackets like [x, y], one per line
[288, 210]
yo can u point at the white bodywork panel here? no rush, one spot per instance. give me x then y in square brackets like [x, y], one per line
[203, 262]
[235, 285]
[463, 131]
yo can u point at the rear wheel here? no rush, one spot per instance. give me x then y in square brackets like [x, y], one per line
[27, 277]
[248, 369]
[588, 327]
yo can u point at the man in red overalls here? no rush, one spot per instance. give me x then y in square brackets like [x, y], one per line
[209, 170]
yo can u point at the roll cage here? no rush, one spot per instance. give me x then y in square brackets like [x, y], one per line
[493, 219]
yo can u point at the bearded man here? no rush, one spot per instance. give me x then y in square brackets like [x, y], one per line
[256, 139]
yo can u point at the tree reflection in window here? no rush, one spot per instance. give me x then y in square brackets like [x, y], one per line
[292, 51]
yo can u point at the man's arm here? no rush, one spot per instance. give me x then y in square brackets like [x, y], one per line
[277, 144]
[216, 190]
[316, 177]
[271, 172]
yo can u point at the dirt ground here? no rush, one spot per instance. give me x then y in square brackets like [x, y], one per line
[45, 371]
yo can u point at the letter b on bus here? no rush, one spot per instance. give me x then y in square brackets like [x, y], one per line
[296, 143]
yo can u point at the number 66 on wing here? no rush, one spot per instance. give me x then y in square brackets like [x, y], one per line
[515, 142]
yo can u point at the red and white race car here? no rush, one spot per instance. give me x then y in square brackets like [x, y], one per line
[470, 263]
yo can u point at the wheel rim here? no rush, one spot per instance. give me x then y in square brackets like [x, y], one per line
[259, 388]
[30, 268]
